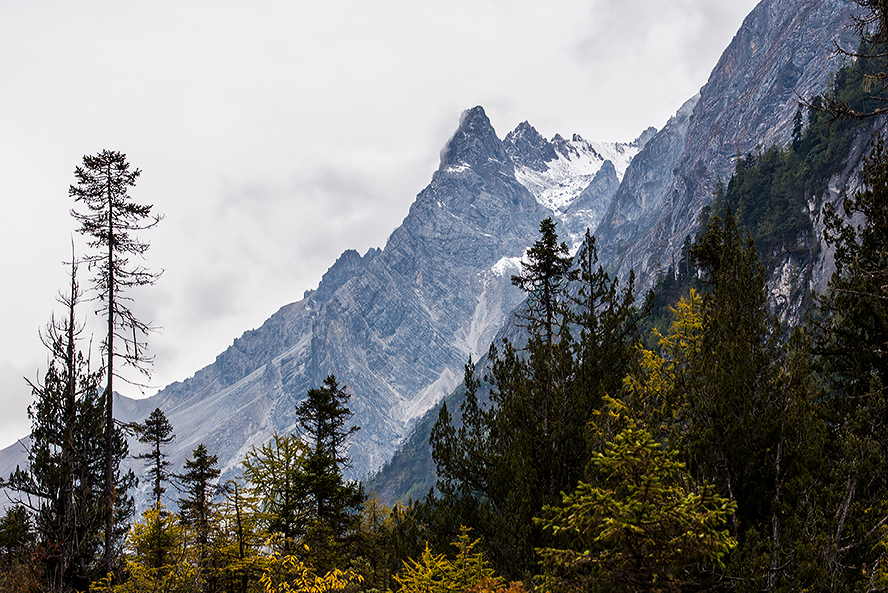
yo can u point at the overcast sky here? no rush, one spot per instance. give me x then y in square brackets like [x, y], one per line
[273, 135]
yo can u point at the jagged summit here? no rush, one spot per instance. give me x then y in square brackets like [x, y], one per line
[564, 177]
[643, 138]
[346, 266]
[527, 147]
[474, 144]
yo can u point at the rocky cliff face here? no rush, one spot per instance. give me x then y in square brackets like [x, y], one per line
[783, 51]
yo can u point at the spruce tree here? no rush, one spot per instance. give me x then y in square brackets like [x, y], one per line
[544, 277]
[334, 503]
[529, 444]
[65, 475]
[748, 416]
[17, 547]
[158, 433]
[852, 348]
[197, 507]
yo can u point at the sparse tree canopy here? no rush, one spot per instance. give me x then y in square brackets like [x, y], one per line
[110, 220]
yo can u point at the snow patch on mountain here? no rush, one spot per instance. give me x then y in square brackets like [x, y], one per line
[495, 298]
[506, 265]
[565, 178]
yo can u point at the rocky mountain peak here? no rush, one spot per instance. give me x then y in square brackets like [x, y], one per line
[644, 137]
[474, 144]
[527, 147]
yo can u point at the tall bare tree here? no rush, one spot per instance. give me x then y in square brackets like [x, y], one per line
[110, 220]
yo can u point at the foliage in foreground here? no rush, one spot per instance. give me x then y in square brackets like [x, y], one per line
[647, 528]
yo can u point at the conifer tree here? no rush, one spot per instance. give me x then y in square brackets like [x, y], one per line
[110, 220]
[276, 475]
[199, 481]
[511, 457]
[244, 539]
[544, 277]
[333, 503]
[158, 433]
[65, 477]
[648, 527]
[435, 573]
[747, 413]
[852, 347]
[197, 506]
[870, 25]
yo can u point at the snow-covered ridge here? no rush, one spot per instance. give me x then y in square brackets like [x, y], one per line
[578, 160]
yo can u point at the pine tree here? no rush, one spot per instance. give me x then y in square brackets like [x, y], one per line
[156, 432]
[334, 503]
[511, 457]
[110, 219]
[199, 482]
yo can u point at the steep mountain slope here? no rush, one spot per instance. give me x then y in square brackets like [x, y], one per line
[396, 325]
[783, 51]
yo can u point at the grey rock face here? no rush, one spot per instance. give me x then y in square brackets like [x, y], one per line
[526, 147]
[783, 51]
[590, 206]
[397, 324]
[638, 201]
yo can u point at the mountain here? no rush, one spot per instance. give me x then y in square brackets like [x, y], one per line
[396, 325]
[575, 178]
[783, 52]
